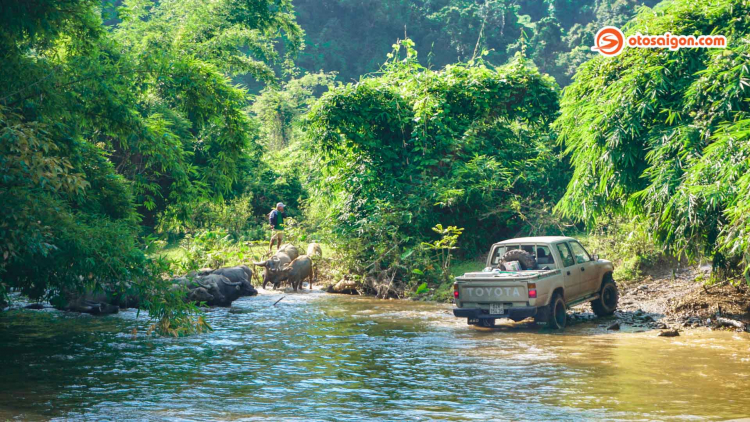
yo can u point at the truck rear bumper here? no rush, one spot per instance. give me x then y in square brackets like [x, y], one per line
[515, 313]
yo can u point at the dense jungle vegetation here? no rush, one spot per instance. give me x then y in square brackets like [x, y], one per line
[400, 134]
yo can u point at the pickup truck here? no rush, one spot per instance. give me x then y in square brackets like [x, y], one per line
[537, 277]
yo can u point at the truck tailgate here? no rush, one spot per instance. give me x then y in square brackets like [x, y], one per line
[493, 291]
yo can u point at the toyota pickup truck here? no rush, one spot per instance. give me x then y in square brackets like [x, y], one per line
[537, 277]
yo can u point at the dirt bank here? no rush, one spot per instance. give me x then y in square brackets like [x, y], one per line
[677, 300]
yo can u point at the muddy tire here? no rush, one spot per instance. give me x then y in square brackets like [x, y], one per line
[527, 260]
[542, 315]
[608, 298]
[557, 313]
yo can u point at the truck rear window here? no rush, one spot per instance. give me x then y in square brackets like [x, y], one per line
[544, 256]
[540, 252]
[499, 252]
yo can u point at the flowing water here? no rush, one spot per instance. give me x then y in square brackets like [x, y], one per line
[315, 356]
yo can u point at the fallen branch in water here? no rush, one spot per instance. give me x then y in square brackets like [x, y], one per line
[274, 304]
[726, 322]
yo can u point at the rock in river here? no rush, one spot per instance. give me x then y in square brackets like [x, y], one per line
[669, 333]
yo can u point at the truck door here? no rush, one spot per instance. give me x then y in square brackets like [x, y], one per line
[589, 277]
[571, 277]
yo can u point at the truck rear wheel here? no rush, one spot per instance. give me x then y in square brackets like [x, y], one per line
[557, 312]
[608, 298]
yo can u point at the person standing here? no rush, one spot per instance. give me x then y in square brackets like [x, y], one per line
[276, 220]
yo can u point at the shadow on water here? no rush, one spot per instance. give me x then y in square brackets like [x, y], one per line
[314, 356]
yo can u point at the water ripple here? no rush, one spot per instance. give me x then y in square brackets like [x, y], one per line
[319, 357]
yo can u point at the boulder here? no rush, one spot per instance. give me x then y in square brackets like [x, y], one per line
[614, 327]
[344, 286]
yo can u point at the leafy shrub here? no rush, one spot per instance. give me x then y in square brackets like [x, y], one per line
[217, 248]
[410, 148]
[235, 216]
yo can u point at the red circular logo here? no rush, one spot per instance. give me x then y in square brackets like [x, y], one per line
[609, 41]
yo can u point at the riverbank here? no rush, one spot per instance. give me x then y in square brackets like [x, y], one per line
[679, 300]
[660, 299]
[655, 296]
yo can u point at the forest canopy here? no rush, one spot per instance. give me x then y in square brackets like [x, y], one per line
[128, 123]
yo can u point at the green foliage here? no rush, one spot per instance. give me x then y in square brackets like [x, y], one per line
[444, 247]
[628, 244]
[665, 135]
[103, 128]
[435, 259]
[184, 53]
[234, 216]
[580, 20]
[278, 110]
[215, 249]
[412, 147]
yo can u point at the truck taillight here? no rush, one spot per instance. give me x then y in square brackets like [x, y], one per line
[532, 291]
[455, 290]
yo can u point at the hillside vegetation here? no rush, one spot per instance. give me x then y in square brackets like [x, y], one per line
[126, 126]
[664, 136]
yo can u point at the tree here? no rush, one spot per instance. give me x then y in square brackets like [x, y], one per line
[278, 110]
[103, 125]
[664, 134]
[352, 38]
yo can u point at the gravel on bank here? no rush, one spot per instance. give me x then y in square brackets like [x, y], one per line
[676, 300]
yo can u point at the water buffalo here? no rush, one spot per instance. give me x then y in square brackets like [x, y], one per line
[240, 274]
[314, 249]
[213, 289]
[290, 250]
[272, 268]
[298, 270]
[94, 304]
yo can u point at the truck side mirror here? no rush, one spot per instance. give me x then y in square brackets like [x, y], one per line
[595, 257]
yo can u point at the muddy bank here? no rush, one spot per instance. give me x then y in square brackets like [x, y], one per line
[676, 300]
[663, 299]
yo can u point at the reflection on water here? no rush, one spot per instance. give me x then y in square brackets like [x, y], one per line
[321, 357]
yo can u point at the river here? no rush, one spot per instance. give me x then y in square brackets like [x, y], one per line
[316, 356]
